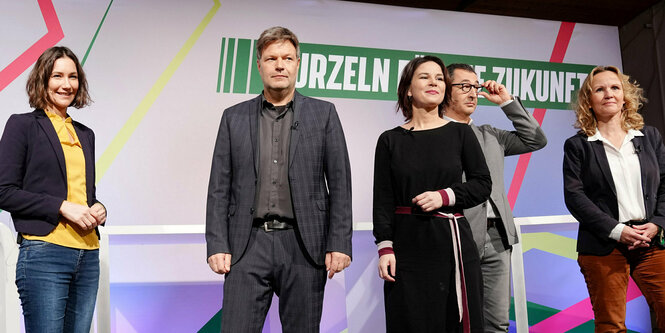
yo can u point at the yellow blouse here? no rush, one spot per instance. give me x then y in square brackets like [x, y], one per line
[66, 233]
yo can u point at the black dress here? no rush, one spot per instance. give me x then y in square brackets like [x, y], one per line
[407, 163]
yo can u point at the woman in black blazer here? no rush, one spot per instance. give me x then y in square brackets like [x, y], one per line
[614, 185]
[47, 183]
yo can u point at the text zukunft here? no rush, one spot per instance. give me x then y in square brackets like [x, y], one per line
[353, 73]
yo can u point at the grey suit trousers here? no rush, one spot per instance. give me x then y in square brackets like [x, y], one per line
[273, 263]
[495, 265]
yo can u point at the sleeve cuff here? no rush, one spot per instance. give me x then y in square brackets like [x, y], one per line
[447, 197]
[507, 102]
[616, 232]
[385, 247]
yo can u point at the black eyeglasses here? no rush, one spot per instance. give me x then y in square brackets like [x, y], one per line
[466, 87]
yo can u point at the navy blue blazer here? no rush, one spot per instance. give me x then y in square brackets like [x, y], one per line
[319, 177]
[590, 193]
[33, 178]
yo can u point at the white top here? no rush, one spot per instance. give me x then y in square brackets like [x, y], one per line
[627, 177]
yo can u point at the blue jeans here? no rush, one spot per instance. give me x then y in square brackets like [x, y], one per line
[57, 286]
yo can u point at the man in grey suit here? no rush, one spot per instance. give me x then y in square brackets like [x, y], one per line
[492, 222]
[279, 198]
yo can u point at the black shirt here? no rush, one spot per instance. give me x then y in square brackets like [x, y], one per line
[273, 195]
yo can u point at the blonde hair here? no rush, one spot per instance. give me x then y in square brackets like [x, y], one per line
[633, 97]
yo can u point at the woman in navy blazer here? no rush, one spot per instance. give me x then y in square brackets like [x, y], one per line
[47, 183]
[614, 185]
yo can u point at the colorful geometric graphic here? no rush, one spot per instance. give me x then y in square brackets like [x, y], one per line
[26, 59]
[110, 153]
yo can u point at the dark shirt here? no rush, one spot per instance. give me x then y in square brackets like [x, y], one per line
[273, 195]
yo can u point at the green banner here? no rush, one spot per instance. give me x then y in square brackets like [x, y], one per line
[369, 73]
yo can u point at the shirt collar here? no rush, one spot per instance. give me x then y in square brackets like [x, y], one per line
[266, 104]
[54, 116]
[456, 121]
[632, 133]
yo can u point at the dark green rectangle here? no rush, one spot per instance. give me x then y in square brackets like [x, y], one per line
[228, 71]
[221, 65]
[242, 59]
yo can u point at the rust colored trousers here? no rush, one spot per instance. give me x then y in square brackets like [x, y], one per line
[607, 281]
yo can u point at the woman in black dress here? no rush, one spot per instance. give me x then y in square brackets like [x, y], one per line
[427, 255]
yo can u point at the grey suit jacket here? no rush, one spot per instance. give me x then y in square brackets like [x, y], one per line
[319, 177]
[496, 144]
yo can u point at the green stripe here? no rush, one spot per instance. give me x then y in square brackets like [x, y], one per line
[242, 58]
[85, 57]
[255, 83]
[221, 64]
[228, 75]
[252, 65]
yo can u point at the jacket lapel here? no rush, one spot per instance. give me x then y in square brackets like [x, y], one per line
[479, 135]
[601, 158]
[47, 127]
[645, 163]
[254, 111]
[296, 127]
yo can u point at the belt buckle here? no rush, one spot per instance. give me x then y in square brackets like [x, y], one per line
[265, 226]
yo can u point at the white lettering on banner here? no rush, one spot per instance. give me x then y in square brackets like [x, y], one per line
[509, 81]
[381, 75]
[582, 77]
[550, 86]
[352, 73]
[304, 64]
[569, 85]
[362, 67]
[339, 60]
[542, 85]
[349, 61]
[317, 71]
[479, 71]
[527, 78]
[556, 87]
[501, 71]
[516, 82]
[313, 69]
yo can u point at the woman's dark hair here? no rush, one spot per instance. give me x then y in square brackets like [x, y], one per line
[403, 100]
[37, 85]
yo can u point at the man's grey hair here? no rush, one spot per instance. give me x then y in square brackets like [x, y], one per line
[274, 34]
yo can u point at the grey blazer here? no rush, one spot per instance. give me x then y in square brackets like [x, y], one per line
[496, 144]
[319, 176]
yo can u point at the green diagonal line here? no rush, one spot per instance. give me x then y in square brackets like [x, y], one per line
[549, 242]
[96, 33]
[119, 141]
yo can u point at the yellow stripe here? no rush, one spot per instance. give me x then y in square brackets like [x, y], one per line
[549, 242]
[114, 148]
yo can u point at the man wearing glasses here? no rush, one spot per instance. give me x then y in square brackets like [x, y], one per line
[492, 222]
